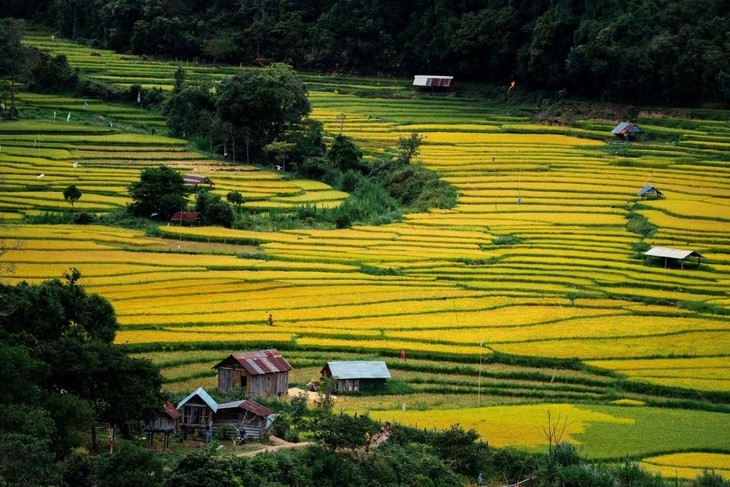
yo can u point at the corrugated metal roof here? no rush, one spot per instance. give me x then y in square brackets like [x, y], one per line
[626, 128]
[648, 189]
[248, 405]
[427, 80]
[171, 411]
[194, 180]
[259, 362]
[359, 370]
[185, 216]
[671, 253]
[200, 392]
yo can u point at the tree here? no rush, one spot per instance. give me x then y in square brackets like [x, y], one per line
[158, 194]
[213, 211]
[235, 198]
[279, 150]
[15, 59]
[260, 106]
[344, 154]
[131, 465]
[72, 194]
[409, 147]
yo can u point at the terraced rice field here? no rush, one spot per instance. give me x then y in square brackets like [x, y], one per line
[535, 260]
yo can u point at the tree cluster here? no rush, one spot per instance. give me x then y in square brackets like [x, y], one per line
[668, 51]
[62, 376]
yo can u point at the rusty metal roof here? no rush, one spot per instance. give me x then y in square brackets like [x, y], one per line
[171, 411]
[248, 405]
[259, 362]
[185, 216]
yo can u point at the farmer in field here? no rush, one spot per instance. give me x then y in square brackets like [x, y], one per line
[403, 355]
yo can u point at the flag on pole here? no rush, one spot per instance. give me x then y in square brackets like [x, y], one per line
[75, 164]
[511, 85]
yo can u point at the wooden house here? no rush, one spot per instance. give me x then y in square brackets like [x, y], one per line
[246, 416]
[186, 217]
[263, 373]
[649, 191]
[166, 423]
[354, 376]
[433, 82]
[195, 180]
[197, 409]
[627, 131]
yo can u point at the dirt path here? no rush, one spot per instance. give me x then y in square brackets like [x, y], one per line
[276, 444]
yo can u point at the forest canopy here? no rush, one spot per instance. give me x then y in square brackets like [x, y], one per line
[671, 52]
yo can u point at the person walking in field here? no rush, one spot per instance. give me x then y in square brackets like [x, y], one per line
[403, 355]
[480, 479]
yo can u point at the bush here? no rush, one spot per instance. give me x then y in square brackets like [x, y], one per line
[584, 476]
[83, 218]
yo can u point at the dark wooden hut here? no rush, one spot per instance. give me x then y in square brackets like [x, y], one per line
[247, 417]
[649, 191]
[197, 409]
[263, 373]
[353, 376]
[627, 131]
[166, 423]
[195, 180]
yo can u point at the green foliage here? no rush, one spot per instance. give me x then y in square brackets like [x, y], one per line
[710, 479]
[235, 198]
[198, 469]
[72, 194]
[506, 240]
[584, 476]
[409, 147]
[638, 223]
[380, 271]
[337, 431]
[158, 194]
[213, 210]
[53, 74]
[344, 154]
[130, 465]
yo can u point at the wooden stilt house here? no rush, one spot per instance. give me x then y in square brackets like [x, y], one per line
[263, 373]
[197, 409]
[166, 423]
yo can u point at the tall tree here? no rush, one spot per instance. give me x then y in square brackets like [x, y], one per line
[158, 194]
[15, 59]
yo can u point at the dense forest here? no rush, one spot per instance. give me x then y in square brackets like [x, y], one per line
[672, 52]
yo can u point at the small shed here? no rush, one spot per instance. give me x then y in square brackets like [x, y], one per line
[166, 423]
[186, 217]
[195, 180]
[433, 81]
[198, 409]
[263, 373]
[649, 191]
[627, 131]
[673, 255]
[245, 416]
[354, 376]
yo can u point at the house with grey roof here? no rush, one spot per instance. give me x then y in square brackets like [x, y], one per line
[649, 191]
[673, 255]
[627, 131]
[357, 375]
